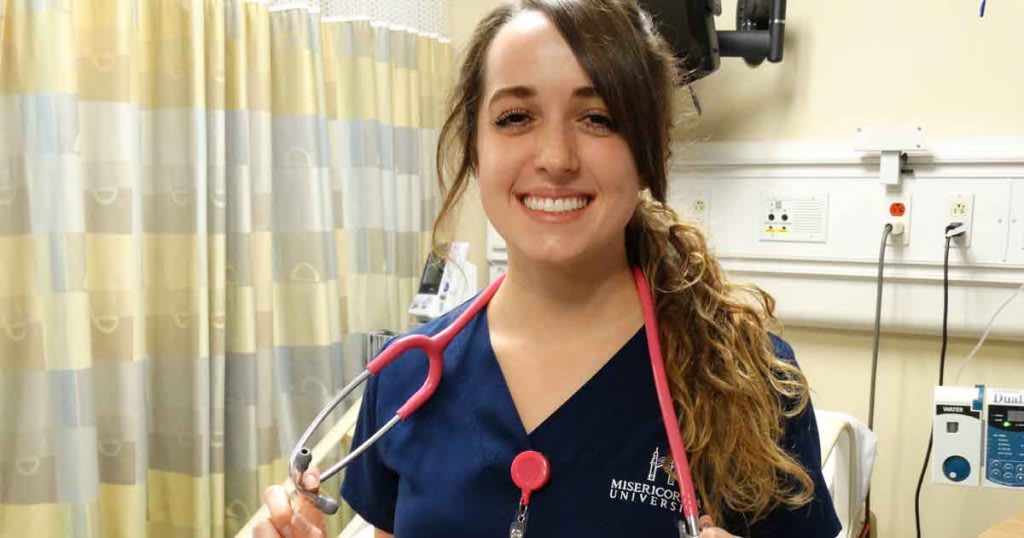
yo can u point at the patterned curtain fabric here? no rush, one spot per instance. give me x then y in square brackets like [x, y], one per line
[204, 204]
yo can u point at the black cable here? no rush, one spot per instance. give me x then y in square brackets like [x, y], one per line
[874, 354]
[942, 369]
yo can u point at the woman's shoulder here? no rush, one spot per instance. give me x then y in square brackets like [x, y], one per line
[800, 439]
[438, 324]
[408, 371]
[782, 348]
[803, 422]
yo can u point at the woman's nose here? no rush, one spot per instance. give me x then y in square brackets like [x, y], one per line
[556, 150]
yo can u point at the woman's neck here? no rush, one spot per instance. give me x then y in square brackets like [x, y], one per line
[539, 298]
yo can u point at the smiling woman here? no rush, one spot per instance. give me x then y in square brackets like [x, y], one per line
[546, 138]
[562, 113]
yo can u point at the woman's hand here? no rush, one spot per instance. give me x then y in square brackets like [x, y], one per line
[709, 530]
[715, 532]
[305, 521]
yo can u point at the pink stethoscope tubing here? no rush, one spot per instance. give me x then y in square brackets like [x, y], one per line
[434, 347]
[687, 494]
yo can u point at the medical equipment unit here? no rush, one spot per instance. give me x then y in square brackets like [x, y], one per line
[447, 282]
[530, 470]
[689, 27]
[978, 437]
[956, 450]
[1004, 439]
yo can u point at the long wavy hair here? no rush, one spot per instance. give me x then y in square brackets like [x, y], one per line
[731, 392]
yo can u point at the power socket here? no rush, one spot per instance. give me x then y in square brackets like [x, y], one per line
[960, 208]
[897, 213]
[699, 211]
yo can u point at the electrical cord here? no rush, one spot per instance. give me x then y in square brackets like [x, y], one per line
[878, 325]
[952, 231]
[988, 328]
[874, 354]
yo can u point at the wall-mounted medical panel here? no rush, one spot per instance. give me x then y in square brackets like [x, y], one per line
[830, 281]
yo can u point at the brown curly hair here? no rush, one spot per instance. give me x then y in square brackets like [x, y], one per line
[731, 392]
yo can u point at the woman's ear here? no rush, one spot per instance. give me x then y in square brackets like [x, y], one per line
[474, 162]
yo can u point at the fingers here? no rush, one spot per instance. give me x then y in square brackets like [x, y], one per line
[304, 528]
[311, 480]
[304, 521]
[280, 517]
[709, 530]
[305, 508]
[265, 529]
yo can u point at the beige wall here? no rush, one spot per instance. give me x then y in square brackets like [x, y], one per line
[933, 63]
[872, 62]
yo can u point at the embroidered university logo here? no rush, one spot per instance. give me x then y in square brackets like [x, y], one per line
[655, 490]
[662, 463]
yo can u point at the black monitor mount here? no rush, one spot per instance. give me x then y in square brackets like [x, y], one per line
[689, 26]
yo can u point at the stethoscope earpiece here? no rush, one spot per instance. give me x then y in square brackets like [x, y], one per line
[302, 460]
[326, 505]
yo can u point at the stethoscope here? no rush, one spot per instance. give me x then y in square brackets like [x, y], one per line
[530, 470]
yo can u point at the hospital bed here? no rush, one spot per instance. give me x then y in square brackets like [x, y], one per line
[848, 451]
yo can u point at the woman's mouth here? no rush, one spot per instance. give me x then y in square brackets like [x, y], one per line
[555, 205]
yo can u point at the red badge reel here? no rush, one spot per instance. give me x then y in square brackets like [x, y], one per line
[530, 472]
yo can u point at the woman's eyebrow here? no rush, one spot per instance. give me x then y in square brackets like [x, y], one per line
[585, 91]
[526, 92]
[522, 92]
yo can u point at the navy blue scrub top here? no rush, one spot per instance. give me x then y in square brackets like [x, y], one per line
[444, 472]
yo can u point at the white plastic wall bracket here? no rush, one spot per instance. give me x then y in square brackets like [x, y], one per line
[891, 144]
[890, 164]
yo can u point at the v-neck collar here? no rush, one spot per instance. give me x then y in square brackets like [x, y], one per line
[554, 431]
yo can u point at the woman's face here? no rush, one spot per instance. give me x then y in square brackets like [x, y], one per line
[556, 179]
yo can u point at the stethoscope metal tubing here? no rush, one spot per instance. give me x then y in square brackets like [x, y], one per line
[694, 530]
[361, 448]
[327, 410]
[433, 347]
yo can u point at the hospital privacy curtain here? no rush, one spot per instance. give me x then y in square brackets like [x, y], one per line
[203, 205]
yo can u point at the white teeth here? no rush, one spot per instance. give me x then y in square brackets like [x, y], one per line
[552, 205]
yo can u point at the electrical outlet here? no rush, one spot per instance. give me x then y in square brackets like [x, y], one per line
[897, 213]
[699, 211]
[960, 208]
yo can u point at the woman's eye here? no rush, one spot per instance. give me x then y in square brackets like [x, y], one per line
[601, 121]
[514, 118]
